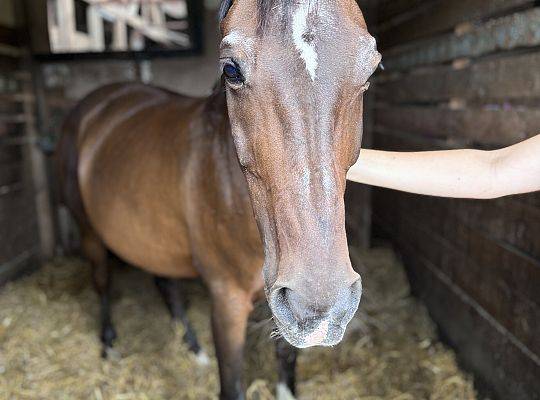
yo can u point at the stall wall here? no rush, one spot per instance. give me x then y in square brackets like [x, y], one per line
[19, 239]
[465, 73]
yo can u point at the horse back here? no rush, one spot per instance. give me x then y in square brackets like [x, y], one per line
[118, 170]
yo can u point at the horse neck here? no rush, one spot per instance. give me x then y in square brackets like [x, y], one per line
[218, 128]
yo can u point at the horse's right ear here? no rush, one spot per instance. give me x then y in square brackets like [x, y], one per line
[224, 9]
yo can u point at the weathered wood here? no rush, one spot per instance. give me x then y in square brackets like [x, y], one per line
[531, 199]
[477, 263]
[392, 8]
[442, 17]
[490, 290]
[489, 126]
[9, 155]
[36, 161]
[36, 15]
[358, 205]
[11, 173]
[11, 188]
[19, 265]
[16, 97]
[394, 140]
[13, 118]
[507, 33]
[498, 359]
[499, 79]
[505, 220]
[18, 228]
[358, 215]
[507, 291]
[9, 36]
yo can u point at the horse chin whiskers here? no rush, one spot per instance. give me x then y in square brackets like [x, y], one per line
[324, 333]
[275, 334]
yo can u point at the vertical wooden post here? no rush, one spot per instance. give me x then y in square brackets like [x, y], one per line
[66, 24]
[95, 28]
[38, 171]
[120, 36]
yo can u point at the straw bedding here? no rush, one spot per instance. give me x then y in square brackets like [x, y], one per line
[49, 347]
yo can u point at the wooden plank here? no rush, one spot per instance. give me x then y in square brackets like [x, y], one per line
[442, 17]
[13, 118]
[10, 36]
[498, 359]
[11, 174]
[358, 197]
[38, 25]
[22, 264]
[514, 312]
[16, 97]
[11, 188]
[510, 248]
[484, 345]
[18, 227]
[531, 199]
[37, 164]
[489, 126]
[504, 220]
[507, 33]
[507, 291]
[392, 8]
[358, 215]
[500, 79]
[9, 154]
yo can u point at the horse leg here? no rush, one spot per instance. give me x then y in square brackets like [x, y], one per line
[230, 311]
[286, 356]
[94, 250]
[175, 300]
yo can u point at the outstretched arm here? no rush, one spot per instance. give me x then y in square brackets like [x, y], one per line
[473, 174]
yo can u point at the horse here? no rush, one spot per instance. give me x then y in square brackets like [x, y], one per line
[250, 179]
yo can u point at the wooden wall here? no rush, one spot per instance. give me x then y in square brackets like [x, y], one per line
[466, 73]
[358, 197]
[21, 228]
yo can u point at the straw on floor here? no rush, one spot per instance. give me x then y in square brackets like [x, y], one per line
[49, 347]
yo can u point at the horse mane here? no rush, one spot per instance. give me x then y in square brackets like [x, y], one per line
[265, 10]
[224, 9]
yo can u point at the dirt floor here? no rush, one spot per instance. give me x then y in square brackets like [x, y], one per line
[49, 347]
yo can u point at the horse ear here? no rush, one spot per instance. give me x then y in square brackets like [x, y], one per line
[224, 9]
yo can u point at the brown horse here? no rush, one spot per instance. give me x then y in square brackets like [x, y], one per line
[182, 188]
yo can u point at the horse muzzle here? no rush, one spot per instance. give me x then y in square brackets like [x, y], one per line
[309, 318]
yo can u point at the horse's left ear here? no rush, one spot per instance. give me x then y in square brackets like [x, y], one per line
[224, 9]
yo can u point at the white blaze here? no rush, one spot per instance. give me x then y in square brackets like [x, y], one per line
[233, 38]
[306, 49]
[237, 39]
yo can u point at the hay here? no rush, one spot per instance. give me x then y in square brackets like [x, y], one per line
[49, 347]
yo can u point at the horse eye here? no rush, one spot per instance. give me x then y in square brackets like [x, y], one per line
[233, 74]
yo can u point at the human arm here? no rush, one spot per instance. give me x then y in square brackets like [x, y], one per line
[454, 173]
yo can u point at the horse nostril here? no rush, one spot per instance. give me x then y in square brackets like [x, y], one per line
[291, 306]
[301, 309]
[280, 305]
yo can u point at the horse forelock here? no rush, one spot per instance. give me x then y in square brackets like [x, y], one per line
[268, 11]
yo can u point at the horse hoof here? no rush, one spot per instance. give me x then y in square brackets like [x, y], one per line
[283, 392]
[108, 336]
[110, 354]
[202, 358]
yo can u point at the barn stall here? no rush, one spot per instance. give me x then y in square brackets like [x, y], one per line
[450, 305]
